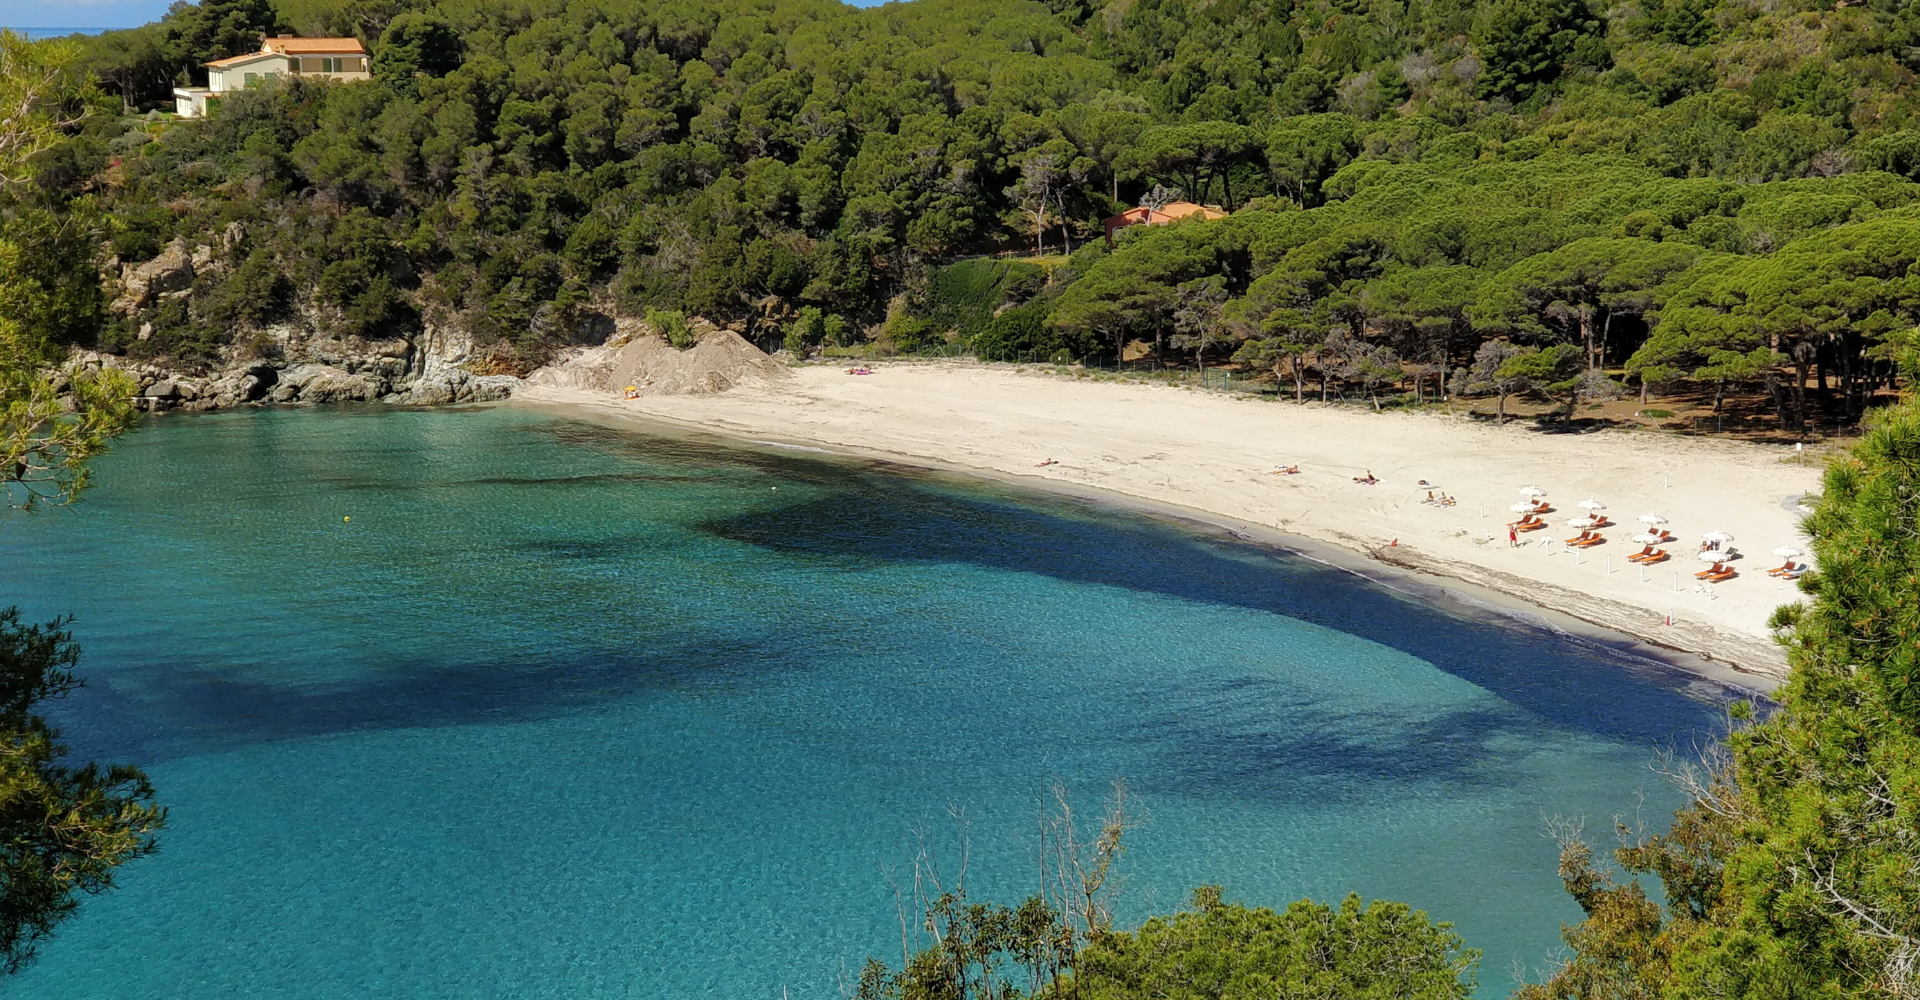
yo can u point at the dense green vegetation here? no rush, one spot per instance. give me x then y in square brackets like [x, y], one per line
[1795, 870]
[64, 828]
[1714, 191]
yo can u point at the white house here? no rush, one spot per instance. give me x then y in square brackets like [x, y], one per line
[343, 59]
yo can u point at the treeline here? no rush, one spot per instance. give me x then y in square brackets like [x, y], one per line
[1659, 190]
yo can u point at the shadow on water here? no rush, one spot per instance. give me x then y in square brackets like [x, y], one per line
[1282, 752]
[873, 519]
[1269, 742]
[184, 709]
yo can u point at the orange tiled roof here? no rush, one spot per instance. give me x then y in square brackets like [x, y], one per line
[1165, 214]
[310, 46]
[237, 60]
[1182, 209]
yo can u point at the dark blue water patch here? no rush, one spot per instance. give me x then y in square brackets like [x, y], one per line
[872, 520]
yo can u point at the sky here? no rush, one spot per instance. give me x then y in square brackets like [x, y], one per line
[79, 13]
[97, 14]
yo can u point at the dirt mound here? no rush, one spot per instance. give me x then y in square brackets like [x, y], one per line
[636, 356]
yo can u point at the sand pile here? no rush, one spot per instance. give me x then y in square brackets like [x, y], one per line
[636, 356]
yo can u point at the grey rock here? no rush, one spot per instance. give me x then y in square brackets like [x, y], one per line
[171, 271]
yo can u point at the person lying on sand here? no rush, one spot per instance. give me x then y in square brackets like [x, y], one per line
[1367, 479]
[1286, 470]
[1050, 461]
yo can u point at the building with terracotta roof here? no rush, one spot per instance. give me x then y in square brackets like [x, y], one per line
[341, 59]
[1171, 212]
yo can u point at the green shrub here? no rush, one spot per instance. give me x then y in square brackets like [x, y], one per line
[1021, 334]
[671, 324]
[966, 293]
[908, 334]
[254, 295]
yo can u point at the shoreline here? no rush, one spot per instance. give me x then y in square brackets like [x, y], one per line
[1744, 664]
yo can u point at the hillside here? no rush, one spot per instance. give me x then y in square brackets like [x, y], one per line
[1710, 191]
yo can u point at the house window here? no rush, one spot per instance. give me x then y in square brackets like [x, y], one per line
[329, 64]
[252, 78]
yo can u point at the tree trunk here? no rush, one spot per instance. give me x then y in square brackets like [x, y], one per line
[1299, 380]
[1606, 333]
[1586, 333]
[1501, 412]
[1779, 404]
[1066, 233]
[1802, 361]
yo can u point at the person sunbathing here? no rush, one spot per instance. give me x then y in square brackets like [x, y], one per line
[1286, 470]
[1367, 479]
[1050, 461]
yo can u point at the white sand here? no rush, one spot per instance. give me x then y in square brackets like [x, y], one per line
[1211, 453]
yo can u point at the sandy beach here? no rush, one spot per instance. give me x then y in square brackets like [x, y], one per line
[1210, 453]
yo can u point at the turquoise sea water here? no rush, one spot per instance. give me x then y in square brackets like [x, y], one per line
[567, 712]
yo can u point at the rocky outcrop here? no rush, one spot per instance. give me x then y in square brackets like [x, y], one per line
[327, 384]
[265, 383]
[170, 273]
[453, 386]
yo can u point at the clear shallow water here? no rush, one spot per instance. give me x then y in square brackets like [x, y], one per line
[564, 712]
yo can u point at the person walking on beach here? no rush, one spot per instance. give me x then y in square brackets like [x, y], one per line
[1513, 538]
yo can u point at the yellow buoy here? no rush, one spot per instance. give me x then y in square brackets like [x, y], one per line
[346, 519]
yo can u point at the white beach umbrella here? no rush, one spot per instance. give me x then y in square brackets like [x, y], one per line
[1533, 491]
[1591, 504]
[1786, 552]
[1717, 536]
[1651, 519]
[1714, 557]
[1582, 522]
[1647, 538]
